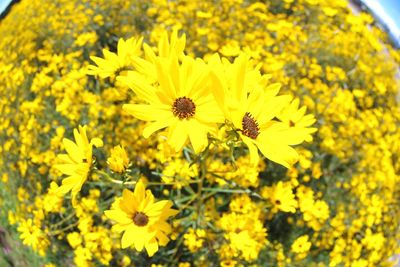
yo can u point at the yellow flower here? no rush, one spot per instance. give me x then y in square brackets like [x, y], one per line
[194, 239]
[295, 117]
[119, 160]
[252, 109]
[74, 239]
[182, 102]
[33, 236]
[53, 199]
[301, 246]
[142, 220]
[180, 172]
[281, 196]
[77, 162]
[113, 63]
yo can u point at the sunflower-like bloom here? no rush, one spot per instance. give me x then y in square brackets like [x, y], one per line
[77, 162]
[142, 219]
[295, 117]
[181, 101]
[252, 110]
[113, 63]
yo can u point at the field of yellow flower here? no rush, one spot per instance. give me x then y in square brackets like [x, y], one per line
[197, 133]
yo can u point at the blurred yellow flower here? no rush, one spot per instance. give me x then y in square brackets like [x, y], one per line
[113, 63]
[281, 196]
[118, 161]
[301, 246]
[295, 117]
[77, 162]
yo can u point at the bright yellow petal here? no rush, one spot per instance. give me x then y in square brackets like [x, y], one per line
[278, 152]
[97, 142]
[156, 209]
[158, 125]
[164, 79]
[118, 216]
[238, 85]
[254, 157]
[151, 247]
[218, 91]
[148, 112]
[197, 135]
[68, 169]
[73, 150]
[177, 136]
[128, 203]
[271, 108]
[128, 238]
[139, 191]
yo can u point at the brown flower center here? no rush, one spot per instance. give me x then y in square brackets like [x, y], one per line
[184, 108]
[140, 219]
[250, 126]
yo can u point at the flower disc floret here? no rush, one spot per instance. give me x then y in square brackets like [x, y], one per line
[250, 126]
[184, 108]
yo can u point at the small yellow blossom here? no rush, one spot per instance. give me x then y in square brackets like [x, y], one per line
[77, 162]
[301, 246]
[118, 161]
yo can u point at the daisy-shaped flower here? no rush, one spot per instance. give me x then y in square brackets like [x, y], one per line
[113, 63]
[142, 219]
[181, 101]
[77, 162]
[296, 117]
[252, 111]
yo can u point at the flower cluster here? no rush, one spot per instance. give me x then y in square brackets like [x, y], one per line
[192, 99]
[187, 133]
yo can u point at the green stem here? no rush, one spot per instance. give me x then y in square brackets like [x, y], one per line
[106, 175]
[63, 229]
[232, 191]
[64, 220]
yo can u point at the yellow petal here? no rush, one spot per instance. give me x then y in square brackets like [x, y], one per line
[128, 202]
[118, 216]
[139, 191]
[164, 79]
[97, 142]
[156, 209]
[128, 238]
[177, 136]
[148, 112]
[151, 247]
[158, 125]
[73, 150]
[218, 91]
[254, 157]
[278, 152]
[197, 135]
[68, 169]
